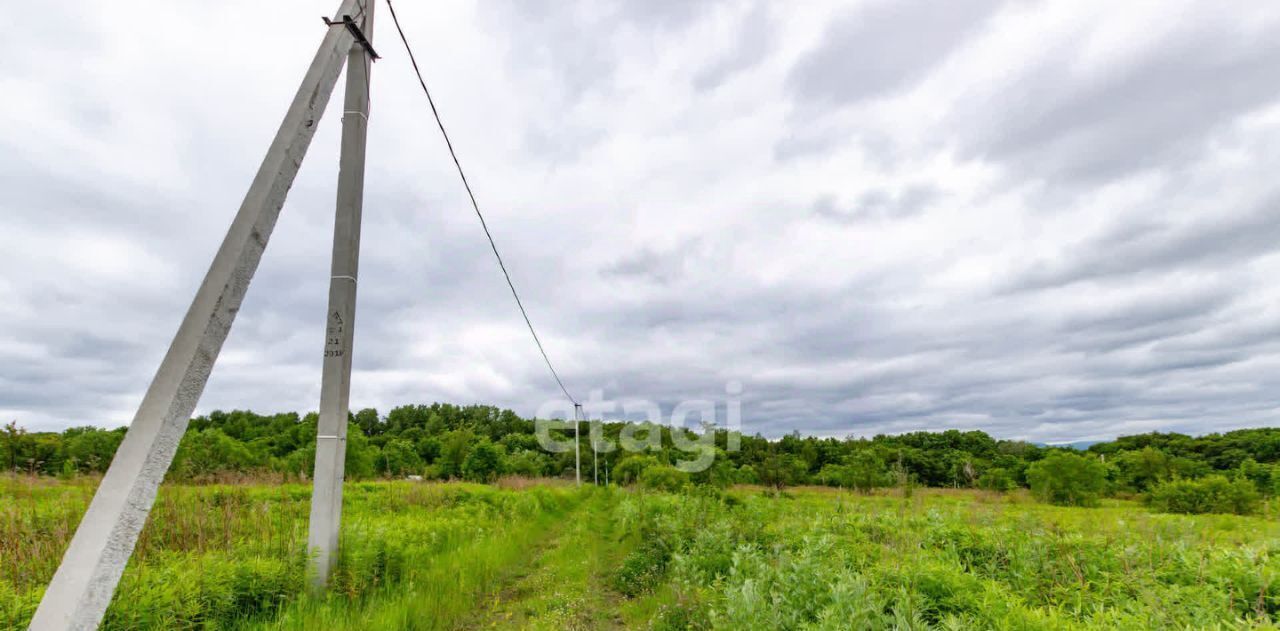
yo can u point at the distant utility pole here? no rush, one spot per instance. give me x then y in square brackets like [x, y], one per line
[577, 444]
[594, 465]
[82, 587]
[335, 383]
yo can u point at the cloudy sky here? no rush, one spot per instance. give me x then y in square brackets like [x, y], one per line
[1046, 220]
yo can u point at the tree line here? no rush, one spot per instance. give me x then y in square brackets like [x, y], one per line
[477, 442]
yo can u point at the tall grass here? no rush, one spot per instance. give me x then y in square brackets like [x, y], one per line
[437, 556]
[222, 556]
[943, 560]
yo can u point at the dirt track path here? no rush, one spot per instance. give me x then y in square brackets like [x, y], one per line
[565, 586]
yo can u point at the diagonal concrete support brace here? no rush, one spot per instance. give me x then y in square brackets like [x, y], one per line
[82, 587]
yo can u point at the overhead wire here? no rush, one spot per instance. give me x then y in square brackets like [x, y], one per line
[476, 206]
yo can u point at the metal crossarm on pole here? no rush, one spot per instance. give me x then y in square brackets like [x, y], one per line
[82, 587]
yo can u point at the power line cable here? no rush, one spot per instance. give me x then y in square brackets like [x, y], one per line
[475, 205]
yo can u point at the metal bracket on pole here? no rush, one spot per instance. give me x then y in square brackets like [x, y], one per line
[82, 587]
[358, 34]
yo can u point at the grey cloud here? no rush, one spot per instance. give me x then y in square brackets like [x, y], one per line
[884, 47]
[1059, 123]
[578, 41]
[653, 265]
[1148, 246]
[736, 274]
[754, 41]
[1143, 320]
[880, 204]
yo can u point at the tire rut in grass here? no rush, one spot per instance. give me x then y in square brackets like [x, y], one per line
[564, 585]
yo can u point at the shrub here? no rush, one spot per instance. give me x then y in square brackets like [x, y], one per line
[642, 569]
[206, 452]
[400, 458]
[528, 463]
[483, 463]
[997, 479]
[1067, 479]
[1212, 494]
[663, 478]
[628, 469]
[862, 471]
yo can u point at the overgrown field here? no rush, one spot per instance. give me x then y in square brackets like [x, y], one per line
[517, 556]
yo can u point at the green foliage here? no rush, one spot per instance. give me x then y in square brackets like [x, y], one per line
[455, 555]
[234, 557]
[92, 448]
[997, 479]
[529, 463]
[483, 463]
[945, 561]
[1212, 494]
[862, 470]
[1067, 479]
[1266, 478]
[14, 437]
[642, 569]
[629, 468]
[399, 458]
[453, 452]
[1139, 470]
[208, 451]
[660, 477]
[442, 438]
[779, 470]
[362, 456]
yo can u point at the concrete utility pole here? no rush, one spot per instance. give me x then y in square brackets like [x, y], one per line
[84, 583]
[594, 465]
[577, 445]
[335, 383]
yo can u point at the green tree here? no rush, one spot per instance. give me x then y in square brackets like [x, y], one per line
[361, 455]
[13, 438]
[399, 458]
[629, 468]
[484, 462]
[368, 421]
[1142, 469]
[528, 463]
[1262, 476]
[1067, 479]
[92, 449]
[453, 452]
[997, 479]
[779, 470]
[866, 470]
[204, 452]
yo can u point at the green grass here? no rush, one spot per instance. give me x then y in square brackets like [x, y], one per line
[233, 557]
[561, 588]
[452, 556]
